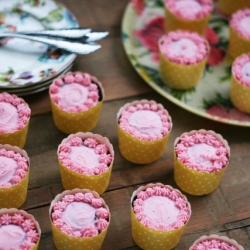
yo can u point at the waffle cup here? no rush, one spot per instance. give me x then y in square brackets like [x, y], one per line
[179, 76]
[84, 121]
[136, 150]
[12, 211]
[239, 95]
[217, 237]
[237, 44]
[149, 238]
[17, 137]
[228, 7]
[64, 241]
[173, 22]
[196, 182]
[15, 196]
[98, 183]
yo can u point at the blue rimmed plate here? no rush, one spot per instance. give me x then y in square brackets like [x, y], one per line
[26, 63]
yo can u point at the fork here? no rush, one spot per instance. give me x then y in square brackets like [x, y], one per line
[80, 42]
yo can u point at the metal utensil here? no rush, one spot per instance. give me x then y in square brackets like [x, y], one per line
[70, 33]
[83, 35]
[75, 40]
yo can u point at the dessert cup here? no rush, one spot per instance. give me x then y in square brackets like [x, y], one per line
[240, 83]
[195, 20]
[14, 177]
[200, 159]
[144, 139]
[77, 168]
[76, 101]
[145, 231]
[183, 56]
[215, 242]
[228, 7]
[68, 235]
[18, 230]
[239, 35]
[14, 120]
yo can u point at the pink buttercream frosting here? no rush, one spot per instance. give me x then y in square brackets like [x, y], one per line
[161, 208]
[241, 69]
[145, 121]
[183, 47]
[17, 232]
[85, 156]
[75, 92]
[240, 21]
[213, 244]
[14, 113]
[13, 168]
[190, 9]
[202, 152]
[80, 215]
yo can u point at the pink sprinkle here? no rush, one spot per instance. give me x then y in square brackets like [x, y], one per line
[78, 78]
[59, 82]
[69, 79]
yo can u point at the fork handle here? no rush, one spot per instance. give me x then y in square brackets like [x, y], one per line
[73, 47]
[72, 33]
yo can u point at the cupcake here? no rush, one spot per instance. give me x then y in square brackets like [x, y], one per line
[183, 56]
[143, 131]
[14, 176]
[79, 220]
[76, 101]
[14, 120]
[239, 33]
[159, 215]
[200, 159]
[228, 7]
[85, 161]
[191, 15]
[18, 230]
[240, 83]
[215, 242]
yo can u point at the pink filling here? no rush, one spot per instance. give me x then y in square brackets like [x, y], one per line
[74, 93]
[145, 121]
[87, 157]
[14, 113]
[161, 208]
[214, 244]
[190, 9]
[13, 168]
[17, 232]
[202, 152]
[80, 215]
[241, 69]
[240, 21]
[183, 47]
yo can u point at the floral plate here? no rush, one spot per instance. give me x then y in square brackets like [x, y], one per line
[142, 26]
[25, 63]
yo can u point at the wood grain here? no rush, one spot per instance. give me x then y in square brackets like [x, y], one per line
[225, 211]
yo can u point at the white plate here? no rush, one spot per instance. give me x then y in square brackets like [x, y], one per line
[24, 62]
[34, 88]
[142, 25]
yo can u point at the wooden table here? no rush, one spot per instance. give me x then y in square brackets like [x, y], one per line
[226, 211]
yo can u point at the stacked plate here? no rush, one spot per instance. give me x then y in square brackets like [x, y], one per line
[27, 67]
